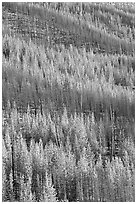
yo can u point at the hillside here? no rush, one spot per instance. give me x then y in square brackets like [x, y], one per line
[68, 99]
[101, 30]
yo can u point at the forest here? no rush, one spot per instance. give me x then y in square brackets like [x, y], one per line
[68, 102]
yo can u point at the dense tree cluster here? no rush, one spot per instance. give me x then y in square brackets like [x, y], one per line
[68, 99]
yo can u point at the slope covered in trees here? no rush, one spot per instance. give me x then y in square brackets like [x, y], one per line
[89, 30]
[68, 99]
